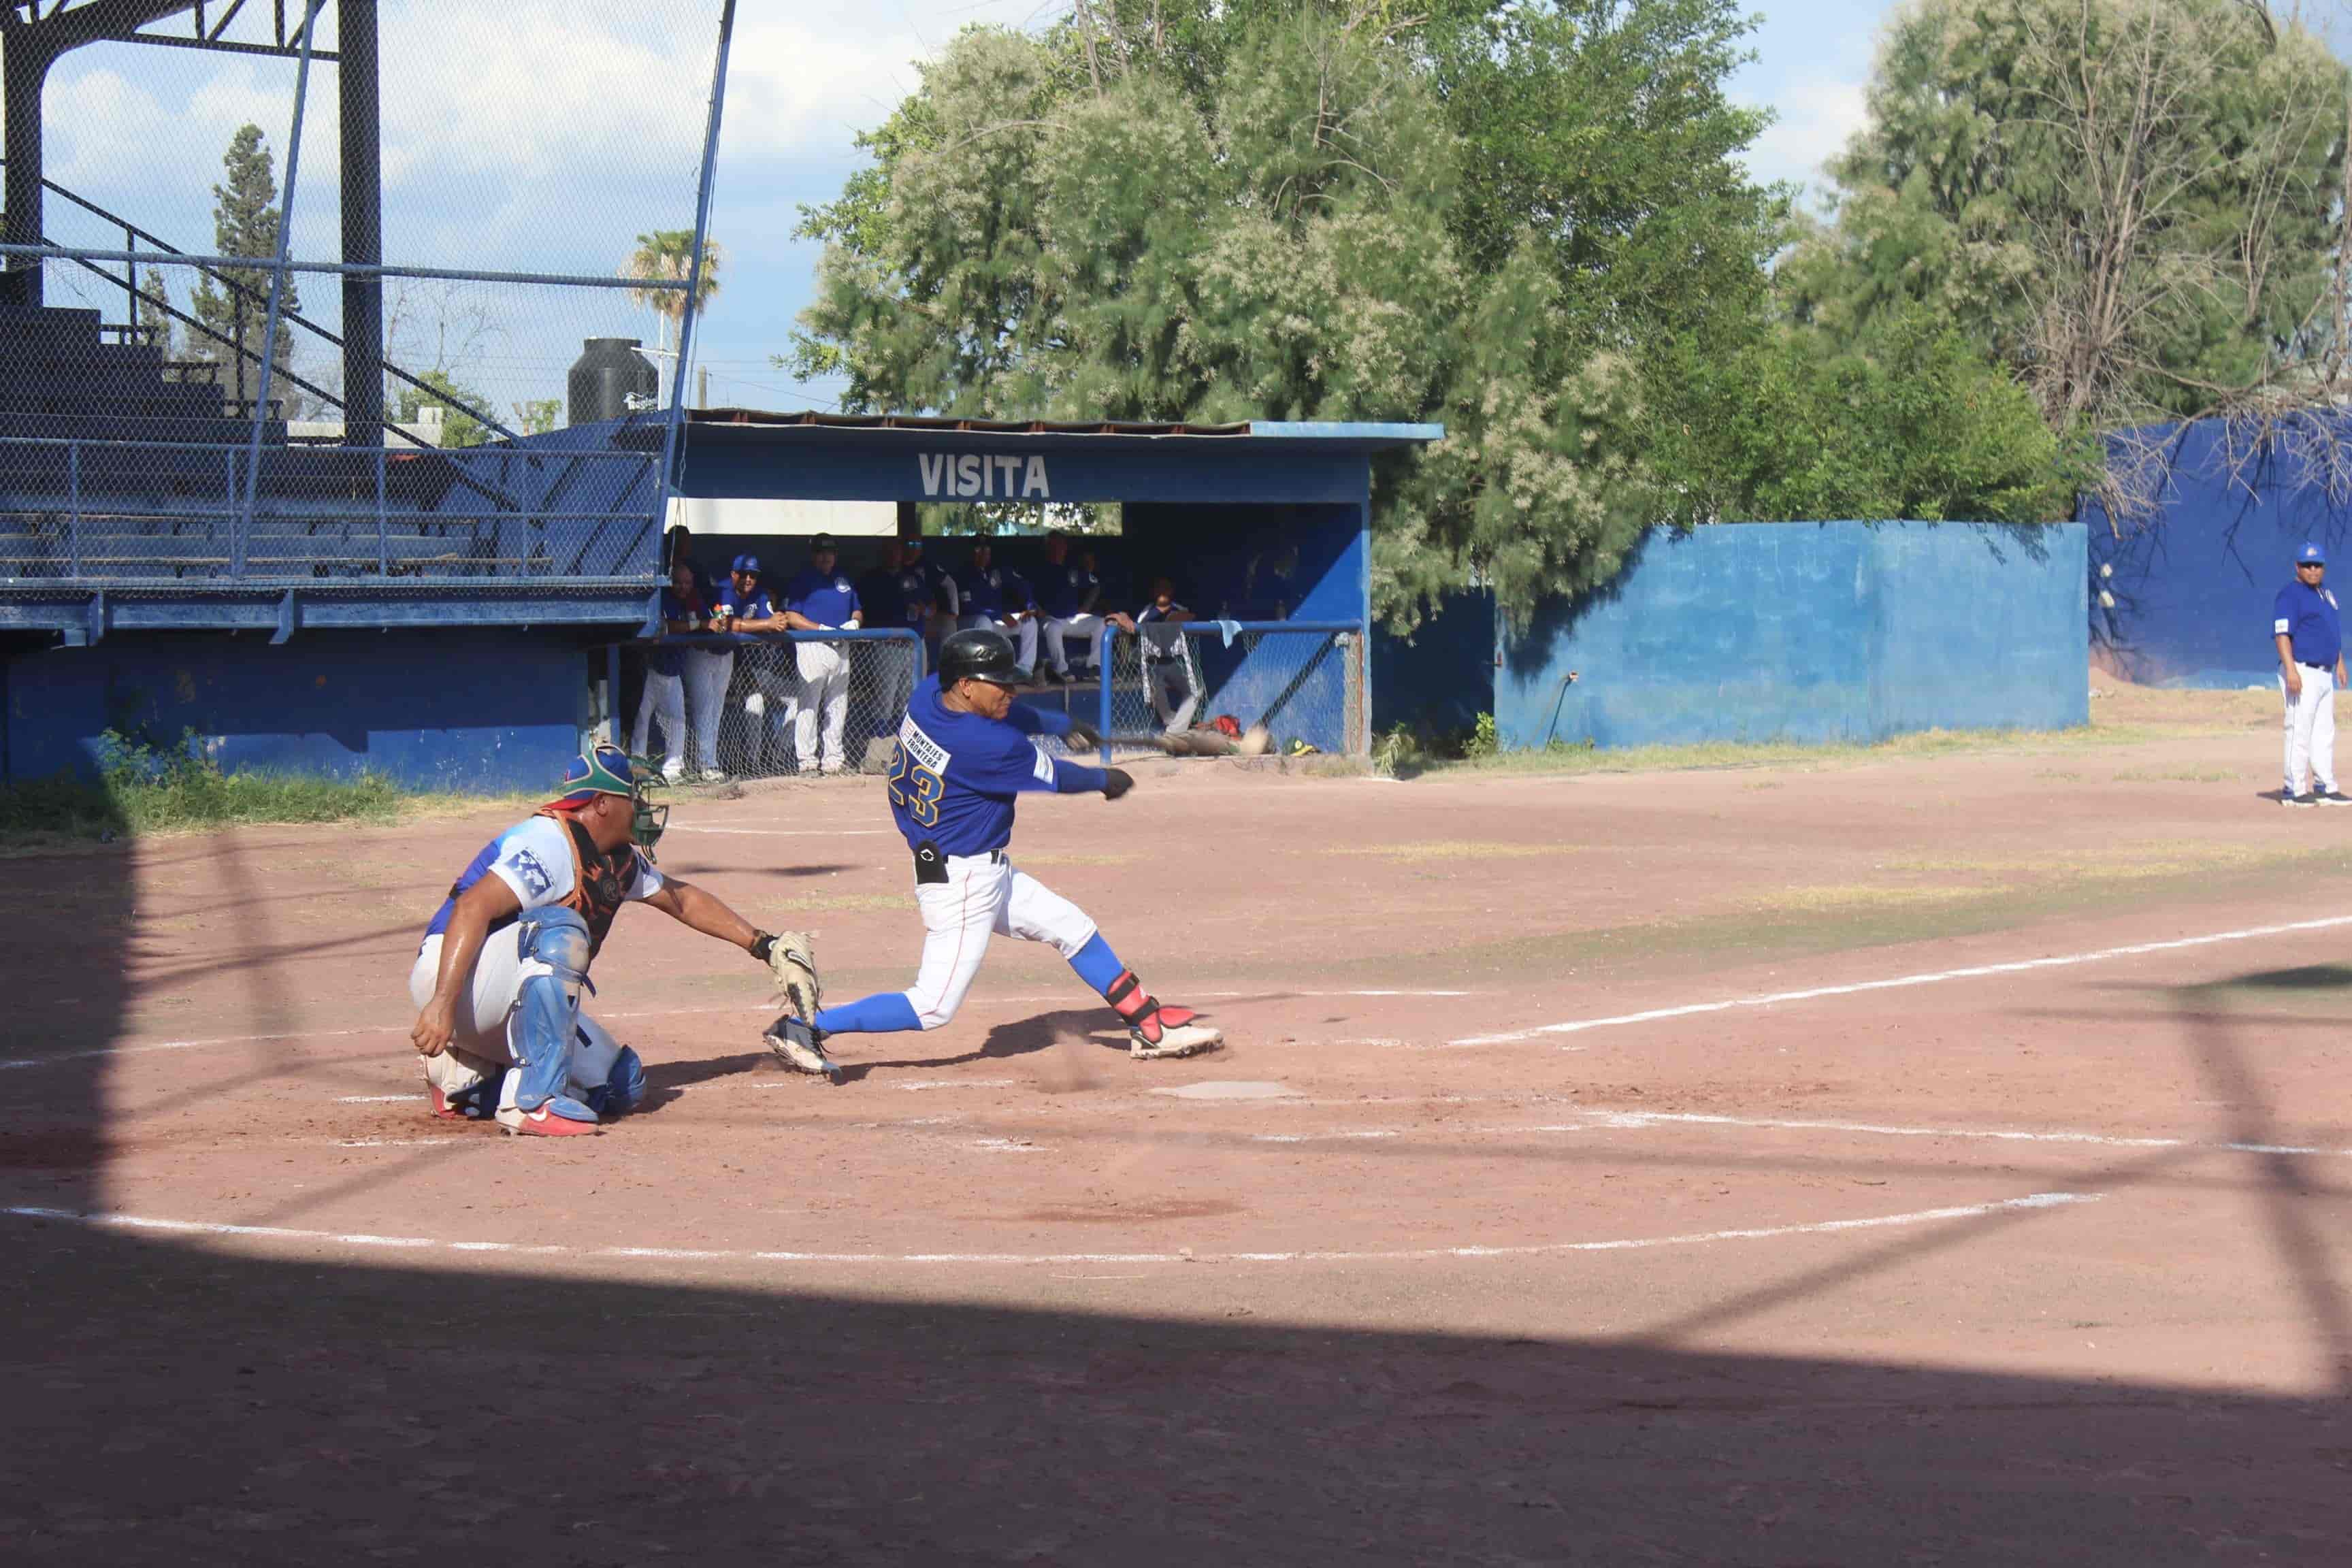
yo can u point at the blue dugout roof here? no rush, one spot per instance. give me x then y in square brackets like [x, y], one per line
[732, 453]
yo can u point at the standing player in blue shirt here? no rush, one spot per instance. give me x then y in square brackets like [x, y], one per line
[744, 605]
[821, 600]
[966, 751]
[2310, 638]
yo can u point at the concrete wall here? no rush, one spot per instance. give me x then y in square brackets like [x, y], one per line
[1834, 631]
[458, 710]
[2193, 587]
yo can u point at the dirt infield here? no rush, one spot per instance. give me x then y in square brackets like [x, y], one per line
[1930, 1159]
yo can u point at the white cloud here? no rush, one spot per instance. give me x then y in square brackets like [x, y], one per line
[1816, 116]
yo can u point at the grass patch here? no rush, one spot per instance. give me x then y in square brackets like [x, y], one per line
[1402, 753]
[1448, 850]
[2177, 775]
[144, 789]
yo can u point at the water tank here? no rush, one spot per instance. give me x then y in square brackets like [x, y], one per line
[610, 379]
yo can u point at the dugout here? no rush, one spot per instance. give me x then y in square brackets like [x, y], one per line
[1262, 526]
[489, 679]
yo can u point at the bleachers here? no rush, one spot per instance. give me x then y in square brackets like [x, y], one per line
[116, 465]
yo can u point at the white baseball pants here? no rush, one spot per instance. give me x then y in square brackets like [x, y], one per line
[477, 1045]
[984, 896]
[665, 698]
[2311, 731]
[707, 670]
[1023, 632]
[1172, 697]
[824, 697]
[1087, 629]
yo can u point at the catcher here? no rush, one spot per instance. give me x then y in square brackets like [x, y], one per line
[498, 976]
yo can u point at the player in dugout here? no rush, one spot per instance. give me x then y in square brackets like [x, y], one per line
[498, 978]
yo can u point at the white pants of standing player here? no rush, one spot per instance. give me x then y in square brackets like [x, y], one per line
[477, 1045]
[776, 687]
[1023, 634]
[984, 896]
[2311, 729]
[823, 696]
[1087, 629]
[707, 670]
[665, 698]
[1169, 684]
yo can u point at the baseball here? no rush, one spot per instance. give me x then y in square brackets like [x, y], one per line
[1256, 741]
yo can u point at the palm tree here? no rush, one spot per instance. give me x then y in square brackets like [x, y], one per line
[667, 254]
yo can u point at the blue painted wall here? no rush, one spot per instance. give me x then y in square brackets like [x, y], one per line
[1440, 680]
[2193, 587]
[460, 710]
[1837, 631]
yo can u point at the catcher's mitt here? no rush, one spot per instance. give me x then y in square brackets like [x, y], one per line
[793, 961]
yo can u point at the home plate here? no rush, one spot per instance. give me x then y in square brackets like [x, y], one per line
[1226, 1090]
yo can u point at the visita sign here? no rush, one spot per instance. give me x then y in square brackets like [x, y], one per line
[980, 476]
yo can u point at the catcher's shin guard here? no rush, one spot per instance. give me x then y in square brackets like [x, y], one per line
[539, 1029]
[1156, 1028]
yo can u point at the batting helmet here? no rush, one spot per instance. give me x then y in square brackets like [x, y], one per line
[978, 654]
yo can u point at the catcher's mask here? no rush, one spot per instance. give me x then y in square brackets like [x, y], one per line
[607, 769]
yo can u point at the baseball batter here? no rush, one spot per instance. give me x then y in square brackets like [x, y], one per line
[498, 978]
[965, 753]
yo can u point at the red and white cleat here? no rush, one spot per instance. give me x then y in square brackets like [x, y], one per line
[558, 1118]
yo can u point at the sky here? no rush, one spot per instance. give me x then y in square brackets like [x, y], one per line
[488, 141]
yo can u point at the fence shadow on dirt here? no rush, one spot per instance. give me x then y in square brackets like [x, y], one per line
[171, 1404]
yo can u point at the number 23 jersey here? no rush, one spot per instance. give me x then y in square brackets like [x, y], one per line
[954, 775]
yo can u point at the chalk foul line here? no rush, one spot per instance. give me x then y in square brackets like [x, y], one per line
[715, 1255]
[1900, 981]
[1635, 1119]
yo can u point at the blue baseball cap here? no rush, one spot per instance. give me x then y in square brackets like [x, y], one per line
[2310, 554]
[601, 770]
[749, 563]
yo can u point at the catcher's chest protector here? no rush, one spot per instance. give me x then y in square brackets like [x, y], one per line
[600, 882]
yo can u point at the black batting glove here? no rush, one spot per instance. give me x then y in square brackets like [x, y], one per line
[1081, 737]
[1116, 781]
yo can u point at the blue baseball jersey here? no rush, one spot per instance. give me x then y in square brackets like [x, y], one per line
[954, 776]
[939, 585]
[1065, 590]
[825, 598]
[2308, 616]
[753, 606]
[669, 659]
[996, 592]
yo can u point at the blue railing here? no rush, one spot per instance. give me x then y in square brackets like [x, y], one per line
[112, 512]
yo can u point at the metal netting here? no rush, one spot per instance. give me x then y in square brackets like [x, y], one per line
[767, 705]
[1304, 682]
[302, 298]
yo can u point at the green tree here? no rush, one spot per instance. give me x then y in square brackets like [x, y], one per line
[667, 254]
[1908, 422]
[235, 302]
[2134, 204]
[459, 429]
[155, 323]
[1257, 211]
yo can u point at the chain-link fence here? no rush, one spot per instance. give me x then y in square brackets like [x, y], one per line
[765, 705]
[1304, 680]
[347, 294]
